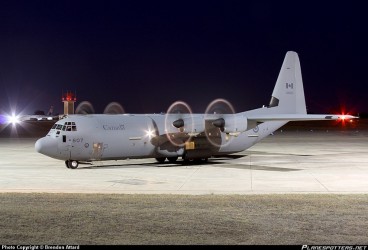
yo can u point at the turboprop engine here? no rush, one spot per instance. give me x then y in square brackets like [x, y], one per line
[231, 123]
[191, 125]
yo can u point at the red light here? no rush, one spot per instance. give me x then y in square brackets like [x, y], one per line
[342, 118]
[68, 96]
[344, 115]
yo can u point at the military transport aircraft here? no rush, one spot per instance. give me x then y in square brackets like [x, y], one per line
[86, 138]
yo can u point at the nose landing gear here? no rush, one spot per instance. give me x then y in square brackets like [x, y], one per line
[71, 164]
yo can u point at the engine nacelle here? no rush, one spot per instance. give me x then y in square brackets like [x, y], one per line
[190, 124]
[231, 123]
[228, 123]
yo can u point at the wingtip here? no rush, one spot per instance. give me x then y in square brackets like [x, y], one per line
[347, 117]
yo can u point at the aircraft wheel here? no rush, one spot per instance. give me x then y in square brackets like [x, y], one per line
[197, 160]
[186, 160]
[161, 159]
[73, 164]
[67, 164]
[172, 159]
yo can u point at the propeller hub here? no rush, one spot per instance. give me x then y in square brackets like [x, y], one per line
[178, 123]
[220, 123]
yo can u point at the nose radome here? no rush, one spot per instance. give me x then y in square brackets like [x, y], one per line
[46, 146]
[38, 145]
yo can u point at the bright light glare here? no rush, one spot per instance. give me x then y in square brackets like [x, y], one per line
[13, 119]
[150, 133]
[342, 117]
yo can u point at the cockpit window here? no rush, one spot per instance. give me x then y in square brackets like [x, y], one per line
[69, 126]
[59, 126]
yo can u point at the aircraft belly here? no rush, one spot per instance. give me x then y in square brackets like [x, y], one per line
[239, 143]
[99, 150]
[247, 139]
[139, 148]
[267, 128]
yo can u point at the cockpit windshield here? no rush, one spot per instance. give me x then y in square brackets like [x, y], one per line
[68, 126]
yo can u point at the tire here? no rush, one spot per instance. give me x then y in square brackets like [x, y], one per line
[172, 159]
[161, 159]
[73, 164]
[186, 161]
[197, 160]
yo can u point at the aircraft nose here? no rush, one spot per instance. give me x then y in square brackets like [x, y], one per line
[45, 146]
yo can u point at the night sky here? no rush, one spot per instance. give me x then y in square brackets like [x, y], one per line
[148, 54]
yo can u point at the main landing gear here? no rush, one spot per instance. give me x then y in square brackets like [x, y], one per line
[171, 159]
[195, 160]
[71, 164]
[185, 160]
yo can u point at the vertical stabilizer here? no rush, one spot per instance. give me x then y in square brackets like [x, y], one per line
[288, 94]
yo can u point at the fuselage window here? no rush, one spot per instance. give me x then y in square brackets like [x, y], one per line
[53, 127]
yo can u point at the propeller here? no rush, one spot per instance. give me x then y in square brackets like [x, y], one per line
[85, 108]
[219, 117]
[179, 123]
[114, 108]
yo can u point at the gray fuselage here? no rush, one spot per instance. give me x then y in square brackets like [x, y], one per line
[113, 137]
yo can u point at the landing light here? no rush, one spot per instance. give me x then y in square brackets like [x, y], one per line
[150, 133]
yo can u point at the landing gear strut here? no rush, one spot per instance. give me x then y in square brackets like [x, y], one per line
[71, 164]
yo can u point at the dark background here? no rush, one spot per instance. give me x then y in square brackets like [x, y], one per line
[148, 54]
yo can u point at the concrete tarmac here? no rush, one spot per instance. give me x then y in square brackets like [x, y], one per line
[286, 162]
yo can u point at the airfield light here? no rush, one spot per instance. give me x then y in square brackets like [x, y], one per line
[13, 119]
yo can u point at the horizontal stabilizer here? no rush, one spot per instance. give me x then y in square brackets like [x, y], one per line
[297, 117]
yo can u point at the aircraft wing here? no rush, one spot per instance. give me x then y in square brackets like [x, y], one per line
[297, 117]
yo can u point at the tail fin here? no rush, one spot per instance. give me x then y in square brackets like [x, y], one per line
[288, 94]
[288, 102]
